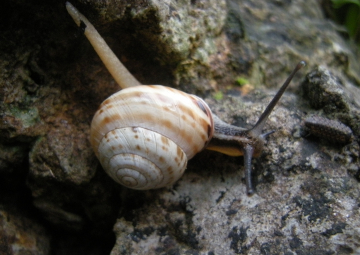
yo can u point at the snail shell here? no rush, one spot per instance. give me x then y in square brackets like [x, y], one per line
[144, 135]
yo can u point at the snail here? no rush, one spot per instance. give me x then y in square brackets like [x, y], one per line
[143, 135]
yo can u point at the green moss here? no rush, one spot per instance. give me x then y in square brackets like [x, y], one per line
[242, 81]
[218, 95]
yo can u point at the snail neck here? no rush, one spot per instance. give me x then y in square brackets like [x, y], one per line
[231, 140]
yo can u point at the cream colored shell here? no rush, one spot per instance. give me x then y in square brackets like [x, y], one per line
[144, 135]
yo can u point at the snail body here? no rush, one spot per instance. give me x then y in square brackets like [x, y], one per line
[143, 135]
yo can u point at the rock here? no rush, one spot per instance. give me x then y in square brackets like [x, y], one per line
[334, 96]
[21, 234]
[51, 83]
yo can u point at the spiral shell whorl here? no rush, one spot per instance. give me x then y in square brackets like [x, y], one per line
[141, 159]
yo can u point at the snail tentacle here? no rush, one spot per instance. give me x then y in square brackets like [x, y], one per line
[257, 129]
[248, 153]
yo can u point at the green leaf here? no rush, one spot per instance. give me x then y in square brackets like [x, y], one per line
[352, 20]
[339, 3]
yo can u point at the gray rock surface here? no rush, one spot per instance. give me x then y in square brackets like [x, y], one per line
[51, 83]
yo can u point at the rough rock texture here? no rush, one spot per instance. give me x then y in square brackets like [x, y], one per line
[51, 82]
[21, 235]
